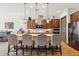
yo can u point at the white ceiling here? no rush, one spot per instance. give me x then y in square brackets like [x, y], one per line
[54, 9]
[62, 6]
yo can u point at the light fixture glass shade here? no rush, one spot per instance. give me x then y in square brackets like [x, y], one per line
[24, 13]
[31, 6]
[36, 21]
[47, 20]
[43, 6]
[25, 21]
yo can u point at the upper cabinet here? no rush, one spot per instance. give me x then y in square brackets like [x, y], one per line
[56, 23]
[31, 24]
[74, 17]
[44, 23]
[53, 23]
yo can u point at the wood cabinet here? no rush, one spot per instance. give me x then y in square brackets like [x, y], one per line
[45, 24]
[31, 24]
[51, 23]
[74, 17]
[28, 24]
[54, 23]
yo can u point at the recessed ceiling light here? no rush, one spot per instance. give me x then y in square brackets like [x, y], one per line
[31, 6]
[43, 6]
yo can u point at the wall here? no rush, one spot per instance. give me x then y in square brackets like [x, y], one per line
[18, 23]
[12, 13]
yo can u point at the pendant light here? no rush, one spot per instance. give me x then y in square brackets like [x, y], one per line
[25, 13]
[47, 12]
[36, 12]
[54, 11]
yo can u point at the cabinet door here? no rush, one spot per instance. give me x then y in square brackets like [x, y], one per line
[28, 24]
[55, 23]
[44, 23]
[31, 24]
[49, 24]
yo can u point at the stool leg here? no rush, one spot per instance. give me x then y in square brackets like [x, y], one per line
[46, 50]
[8, 49]
[60, 50]
[52, 50]
[21, 44]
[37, 50]
[31, 51]
[16, 49]
[23, 50]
